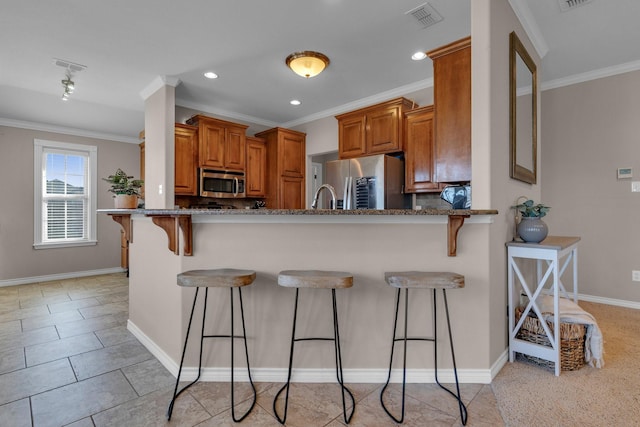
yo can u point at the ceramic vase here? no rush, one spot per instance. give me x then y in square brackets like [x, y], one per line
[125, 201]
[532, 230]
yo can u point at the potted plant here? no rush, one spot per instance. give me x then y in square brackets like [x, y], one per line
[125, 188]
[531, 228]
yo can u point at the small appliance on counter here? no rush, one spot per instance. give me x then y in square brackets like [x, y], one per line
[371, 182]
[459, 196]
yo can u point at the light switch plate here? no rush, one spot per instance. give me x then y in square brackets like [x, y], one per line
[635, 186]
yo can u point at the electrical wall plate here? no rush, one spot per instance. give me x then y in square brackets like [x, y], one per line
[624, 173]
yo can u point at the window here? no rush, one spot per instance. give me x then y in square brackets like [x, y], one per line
[65, 194]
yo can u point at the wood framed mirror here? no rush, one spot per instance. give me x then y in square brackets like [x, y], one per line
[523, 96]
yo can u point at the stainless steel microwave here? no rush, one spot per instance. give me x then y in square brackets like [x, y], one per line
[222, 184]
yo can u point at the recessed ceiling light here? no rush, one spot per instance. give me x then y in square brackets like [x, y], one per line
[295, 102]
[210, 75]
[418, 56]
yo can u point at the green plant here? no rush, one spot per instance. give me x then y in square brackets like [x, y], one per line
[530, 210]
[121, 183]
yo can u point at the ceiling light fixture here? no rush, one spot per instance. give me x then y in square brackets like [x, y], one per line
[295, 102]
[69, 86]
[210, 75]
[308, 63]
[418, 56]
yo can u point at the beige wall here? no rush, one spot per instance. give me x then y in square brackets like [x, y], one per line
[591, 129]
[491, 23]
[18, 259]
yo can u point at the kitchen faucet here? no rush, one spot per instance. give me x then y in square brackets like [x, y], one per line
[332, 190]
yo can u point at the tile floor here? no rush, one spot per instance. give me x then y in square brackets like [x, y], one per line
[67, 359]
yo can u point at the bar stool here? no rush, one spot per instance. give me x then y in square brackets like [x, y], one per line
[423, 280]
[318, 280]
[217, 278]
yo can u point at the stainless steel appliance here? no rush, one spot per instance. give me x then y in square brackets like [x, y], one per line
[222, 184]
[372, 182]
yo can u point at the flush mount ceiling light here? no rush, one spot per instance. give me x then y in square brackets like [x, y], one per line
[295, 102]
[308, 63]
[210, 75]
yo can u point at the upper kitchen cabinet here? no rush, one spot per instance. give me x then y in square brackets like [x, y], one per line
[452, 111]
[418, 151]
[286, 153]
[256, 179]
[186, 160]
[377, 129]
[221, 143]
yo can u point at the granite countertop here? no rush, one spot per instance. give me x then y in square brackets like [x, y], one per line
[350, 212]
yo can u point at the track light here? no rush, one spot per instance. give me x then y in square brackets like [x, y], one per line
[69, 87]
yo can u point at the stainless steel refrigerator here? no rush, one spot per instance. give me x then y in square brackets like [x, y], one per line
[372, 182]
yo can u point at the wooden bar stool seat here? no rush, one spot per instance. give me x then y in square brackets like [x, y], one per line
[216, 278]
[423, 280]
[316, 279]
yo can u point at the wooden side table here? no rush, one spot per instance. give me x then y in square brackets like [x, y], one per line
[548, 253]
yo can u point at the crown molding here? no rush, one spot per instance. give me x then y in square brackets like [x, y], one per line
[66, 130]
[225, 113]
[364, 102]
[157, 83]
[591, 75]
[523, 13]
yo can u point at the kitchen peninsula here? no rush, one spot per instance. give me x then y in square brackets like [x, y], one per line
[366, 243]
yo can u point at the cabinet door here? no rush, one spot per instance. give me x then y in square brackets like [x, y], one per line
[291, 154]
[351, 136]
[186, 160]
[383, 131]
[256, 167]
[142, 163]
[419, 151]
[235, 146]
[211, 152]
[452, 101]
[291, 193]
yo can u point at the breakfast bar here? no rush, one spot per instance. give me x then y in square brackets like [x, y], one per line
[365, 243]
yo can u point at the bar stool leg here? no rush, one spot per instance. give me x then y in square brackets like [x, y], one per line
[286, 401]
[404, 365]
[339, 374]
[461, 405]
[246, 353]
[177, 393]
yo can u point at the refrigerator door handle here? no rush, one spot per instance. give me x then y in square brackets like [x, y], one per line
[345, 195]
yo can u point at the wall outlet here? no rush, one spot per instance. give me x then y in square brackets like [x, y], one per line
[635, 276]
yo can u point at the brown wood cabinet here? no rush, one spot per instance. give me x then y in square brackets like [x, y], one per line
[222, 144]
[452, 111]
[286, 156]
[186, 160]
[256, 178]
[377, 129]
[418, 153]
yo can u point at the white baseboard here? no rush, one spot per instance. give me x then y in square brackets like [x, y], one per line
[499, 364]
[378, 376]
[610, 301]
[60, 276]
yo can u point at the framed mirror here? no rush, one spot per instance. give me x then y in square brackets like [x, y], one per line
[523, 90]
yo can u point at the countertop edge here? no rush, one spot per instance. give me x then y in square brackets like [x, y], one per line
[302, 212]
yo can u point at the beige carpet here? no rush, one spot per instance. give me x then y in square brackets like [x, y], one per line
[530, 395]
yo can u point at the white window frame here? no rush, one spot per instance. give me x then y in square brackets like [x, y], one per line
[40, 147]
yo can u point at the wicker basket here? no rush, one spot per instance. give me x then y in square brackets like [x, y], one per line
[571, 341]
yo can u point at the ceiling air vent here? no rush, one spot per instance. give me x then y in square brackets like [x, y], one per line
[425, 15]
[566, 5]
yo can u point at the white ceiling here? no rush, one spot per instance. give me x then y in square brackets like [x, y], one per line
[127, 45]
